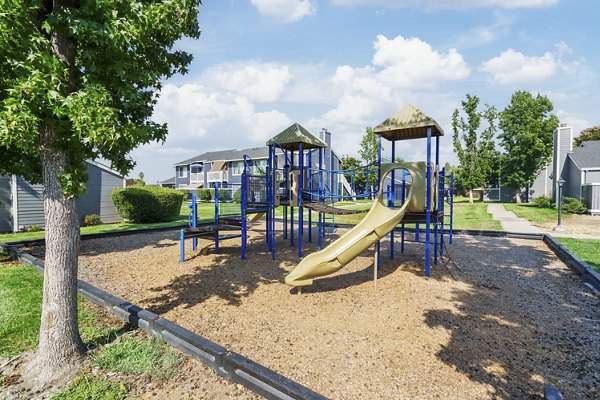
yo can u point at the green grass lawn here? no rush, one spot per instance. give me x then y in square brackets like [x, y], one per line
[465, 217]
[534, 214]
[20, 307]
[473, 216]
[206, 212]
[586, 249]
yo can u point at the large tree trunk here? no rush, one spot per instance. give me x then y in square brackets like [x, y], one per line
[59, 352]
[58, 355]
[518, 196]
[470, 196]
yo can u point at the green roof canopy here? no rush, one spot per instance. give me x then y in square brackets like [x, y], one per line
[408, 123]
[292, 137]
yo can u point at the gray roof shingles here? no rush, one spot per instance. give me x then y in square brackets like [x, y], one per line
[228, 155]
[588, 155]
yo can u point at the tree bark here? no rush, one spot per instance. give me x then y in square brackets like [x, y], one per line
[470, 196]
[58, 355]
[518, 196]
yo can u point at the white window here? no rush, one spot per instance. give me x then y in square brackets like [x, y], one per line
[237, 167]
[196, 173]
[259, 167]
[182, 172]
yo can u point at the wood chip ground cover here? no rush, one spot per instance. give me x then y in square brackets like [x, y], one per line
[509, 320]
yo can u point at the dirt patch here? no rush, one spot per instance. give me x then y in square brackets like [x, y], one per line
[579, 224]
[512, 319]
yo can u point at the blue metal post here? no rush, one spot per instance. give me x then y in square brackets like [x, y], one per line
[442, 204]
[321, 228]
[300, 195]
[393, 197]
[217, 217]
[194, 218]
[451, 204]
[310, 188]
[291, 208]
[244, 206]
[285, 185]
[182, 246]
[271, 194]
[378, 161]
[428, 206]
[437, 211]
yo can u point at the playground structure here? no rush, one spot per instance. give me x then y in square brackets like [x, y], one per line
[296, 181]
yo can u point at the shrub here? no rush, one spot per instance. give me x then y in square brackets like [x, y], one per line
[544, 202]
[147, 203]
[139, 182]
[205, 194]
[237, 196]
[223, 194]
[187, 195]
[91, 220]
[31, 228]
[574, 206]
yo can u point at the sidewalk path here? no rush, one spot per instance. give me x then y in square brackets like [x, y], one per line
[510, 222]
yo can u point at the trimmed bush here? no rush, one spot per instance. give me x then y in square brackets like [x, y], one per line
[223, 194]
[31, 228]
[91, 220]
[147, 203]
[544, 202]
[237, 196]
[205, 194]
[573, 206]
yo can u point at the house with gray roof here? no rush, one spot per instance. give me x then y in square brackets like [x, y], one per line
[582, 175]
[579, 167]
[22, 203]
[226, 166]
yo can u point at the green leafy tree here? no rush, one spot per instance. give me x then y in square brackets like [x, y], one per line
[78, 80]
[527, 125]
[592, 133]
[351, 163]
[368, 152]
[475, 149]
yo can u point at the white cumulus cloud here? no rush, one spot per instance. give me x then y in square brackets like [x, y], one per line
[200, 118]
[258, 82]
[512, 67]
[286, 10]
[413, 63]
[446, 4]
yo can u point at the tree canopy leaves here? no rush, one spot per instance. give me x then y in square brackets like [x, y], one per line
[527, 125]
[592, 133]
[100, 104]
[475, 149]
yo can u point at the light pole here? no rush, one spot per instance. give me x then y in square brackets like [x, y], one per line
[559, 227]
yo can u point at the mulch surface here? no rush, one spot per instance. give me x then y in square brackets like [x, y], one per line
[503, 322]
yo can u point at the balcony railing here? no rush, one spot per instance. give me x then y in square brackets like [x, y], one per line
[216, 176]
[197, 177]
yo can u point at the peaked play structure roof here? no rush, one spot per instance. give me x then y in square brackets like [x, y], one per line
[293, 136]
[408, 123]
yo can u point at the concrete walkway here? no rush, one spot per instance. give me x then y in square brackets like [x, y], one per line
[510, 222]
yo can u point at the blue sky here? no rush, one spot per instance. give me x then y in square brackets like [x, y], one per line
[261, 65]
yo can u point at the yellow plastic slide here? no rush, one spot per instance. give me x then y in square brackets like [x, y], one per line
[378, 222]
